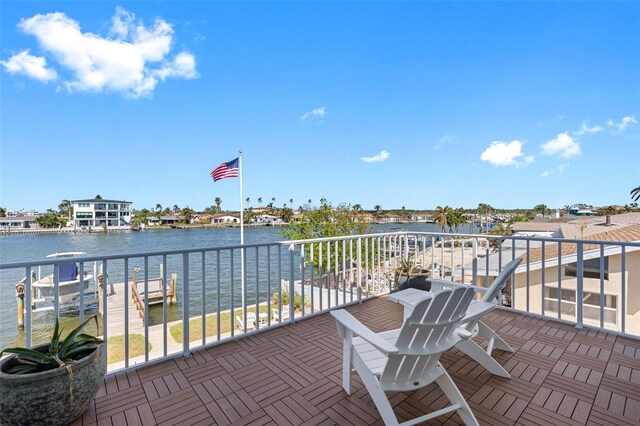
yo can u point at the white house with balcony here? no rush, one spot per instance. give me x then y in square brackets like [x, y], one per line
[100, 212]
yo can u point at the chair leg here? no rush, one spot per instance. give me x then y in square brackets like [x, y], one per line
[453, 393]
[375, 391]
[479, 355]
[487, 333]
[347, 354]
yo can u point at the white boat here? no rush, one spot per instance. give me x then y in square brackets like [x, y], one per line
[68, 282]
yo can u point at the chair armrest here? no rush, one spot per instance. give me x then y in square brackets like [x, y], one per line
[348, 321]
[439, 285]
[478, 289]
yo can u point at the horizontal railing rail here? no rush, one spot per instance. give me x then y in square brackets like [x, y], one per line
[158, 304]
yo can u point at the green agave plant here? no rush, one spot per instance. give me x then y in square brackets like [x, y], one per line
[61, 353]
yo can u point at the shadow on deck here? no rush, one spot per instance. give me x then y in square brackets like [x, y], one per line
[292, 375]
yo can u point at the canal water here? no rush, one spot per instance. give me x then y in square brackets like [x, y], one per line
[34, 247]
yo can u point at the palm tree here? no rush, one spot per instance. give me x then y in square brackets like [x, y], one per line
[218, 201]
[357, 207]
[377, 209]
[248, 200]
[542, 208]
[485, 209]
[291, 202]
[176, 209]
[455, 218]
[187, 214]
[98, 197]
[158, 209]
[65, 207]
[440, 216]
[635, 194]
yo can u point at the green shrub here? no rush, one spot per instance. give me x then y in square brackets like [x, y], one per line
[297, 300]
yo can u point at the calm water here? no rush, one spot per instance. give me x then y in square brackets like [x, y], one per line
[29, 247]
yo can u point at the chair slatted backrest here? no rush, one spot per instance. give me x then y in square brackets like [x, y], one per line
[426, 334]
[495, 289]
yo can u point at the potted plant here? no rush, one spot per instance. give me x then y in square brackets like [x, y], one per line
[54, 383]
[409, 276]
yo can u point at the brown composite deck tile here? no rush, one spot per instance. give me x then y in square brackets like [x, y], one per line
[203, 372]
[156, 370]
[110, 405]
[265, 350]
[292, 374]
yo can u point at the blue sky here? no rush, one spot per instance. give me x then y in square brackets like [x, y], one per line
[397, 104]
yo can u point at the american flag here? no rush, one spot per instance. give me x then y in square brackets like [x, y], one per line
[225, 170]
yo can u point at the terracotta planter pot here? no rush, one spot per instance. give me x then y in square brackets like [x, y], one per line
[50, 397]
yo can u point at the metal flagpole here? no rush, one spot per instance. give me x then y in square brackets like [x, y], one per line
[241, 236]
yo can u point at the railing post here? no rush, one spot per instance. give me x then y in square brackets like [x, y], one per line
[28, 308]
[185, 304]
[291, 285]
[474, 262]
[623, 289]
[359, 272]
[579, 288]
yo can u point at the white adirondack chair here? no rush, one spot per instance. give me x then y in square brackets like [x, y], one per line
[251, 322]
[407, 359]
[476, 327]
[277, 317]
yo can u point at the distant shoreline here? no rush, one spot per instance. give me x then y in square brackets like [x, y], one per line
[23, 231]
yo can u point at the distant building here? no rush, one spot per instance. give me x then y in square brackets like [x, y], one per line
[581, 210]
[18, 222]
[223, 218]
[97, 212]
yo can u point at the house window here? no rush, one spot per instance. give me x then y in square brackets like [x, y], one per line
[84, 215]
[81, 205]
[590, 268]
[590, 305]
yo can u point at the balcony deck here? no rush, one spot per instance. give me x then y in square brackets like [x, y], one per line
[292, 375]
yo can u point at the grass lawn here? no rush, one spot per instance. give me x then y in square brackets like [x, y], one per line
[115, 347]
[195, 324]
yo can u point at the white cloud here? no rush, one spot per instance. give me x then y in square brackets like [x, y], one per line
[381, 156]
[562, 168]
[586, 130]
[563, 145]
[443, 140]
[546, 173]
[29, 65]
[622, 125]
[132, 60]
[318, 112]
[506, 154]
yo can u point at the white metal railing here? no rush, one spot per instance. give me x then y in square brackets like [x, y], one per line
[228, 292]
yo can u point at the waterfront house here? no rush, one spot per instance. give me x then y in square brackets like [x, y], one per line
[422, 218]
[98, 212]
[224, 218]
[391, 218]
[18, 222]
[267, 219]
